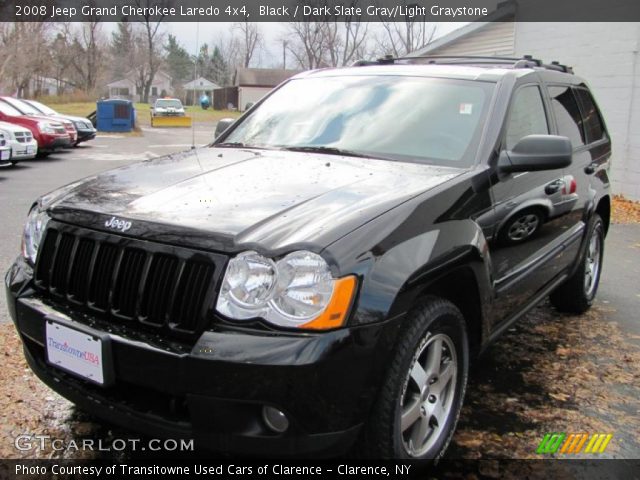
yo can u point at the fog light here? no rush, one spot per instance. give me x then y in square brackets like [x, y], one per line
[275, 419]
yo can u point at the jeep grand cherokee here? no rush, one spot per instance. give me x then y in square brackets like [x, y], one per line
[321, 275]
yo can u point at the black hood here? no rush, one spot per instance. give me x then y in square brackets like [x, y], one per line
[240, 197]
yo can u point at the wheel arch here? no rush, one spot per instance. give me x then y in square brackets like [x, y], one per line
[603, 208]
[460, 287]
[541, 207]
[462, 276]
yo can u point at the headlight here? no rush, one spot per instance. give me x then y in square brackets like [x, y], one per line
[46, 127]
[298, 291]
[250, 282]
[33, 230]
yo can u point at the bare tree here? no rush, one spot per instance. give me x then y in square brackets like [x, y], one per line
[346, 41]
[83, 48]
[307, 43]
[250, 41]
[400, 38]
[16, 68]
[330, 41]
[152, 38]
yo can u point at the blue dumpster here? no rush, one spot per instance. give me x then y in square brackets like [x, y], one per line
[115, 115]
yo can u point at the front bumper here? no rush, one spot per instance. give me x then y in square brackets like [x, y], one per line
[86, 135]
[51, 143]
[5, 156]
[214, 391]
[24, 151]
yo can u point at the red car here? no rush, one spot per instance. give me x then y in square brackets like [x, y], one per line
[26, 109]
[50, 134]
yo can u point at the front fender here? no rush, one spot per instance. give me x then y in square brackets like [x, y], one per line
[393, 274]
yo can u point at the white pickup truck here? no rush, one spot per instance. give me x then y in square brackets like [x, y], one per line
[22, 145]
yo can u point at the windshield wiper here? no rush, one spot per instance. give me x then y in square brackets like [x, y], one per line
[230, 144]
[326, 150]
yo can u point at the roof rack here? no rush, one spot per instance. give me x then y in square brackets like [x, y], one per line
[526, 61]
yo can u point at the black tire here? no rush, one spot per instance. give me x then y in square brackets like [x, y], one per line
[529, 221]
[575, 295]
[43, 154]
[435, 320]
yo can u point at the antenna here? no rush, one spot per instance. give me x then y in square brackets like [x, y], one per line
[195, 72]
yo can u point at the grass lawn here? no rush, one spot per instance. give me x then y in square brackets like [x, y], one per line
[143, 112]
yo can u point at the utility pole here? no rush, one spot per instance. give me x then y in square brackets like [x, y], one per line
[284, 54]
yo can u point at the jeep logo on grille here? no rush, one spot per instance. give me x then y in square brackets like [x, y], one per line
[117, 224]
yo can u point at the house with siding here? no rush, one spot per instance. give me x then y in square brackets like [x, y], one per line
[605, 54]
[254, 83]
[126, 89]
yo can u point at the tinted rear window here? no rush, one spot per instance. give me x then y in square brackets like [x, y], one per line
[567, 114]
[594, 128]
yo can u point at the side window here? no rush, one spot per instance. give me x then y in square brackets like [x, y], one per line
[527, 115]
[591, 116]
[567, 115]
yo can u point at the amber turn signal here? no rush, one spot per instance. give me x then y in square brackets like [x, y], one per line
[336, 312]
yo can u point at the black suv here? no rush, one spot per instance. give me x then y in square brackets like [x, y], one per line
[320, 276]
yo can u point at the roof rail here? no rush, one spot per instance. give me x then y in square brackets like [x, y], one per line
[526, 61]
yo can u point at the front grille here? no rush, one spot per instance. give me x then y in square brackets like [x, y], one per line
[59, 129]
[141, 283]
[23, 137]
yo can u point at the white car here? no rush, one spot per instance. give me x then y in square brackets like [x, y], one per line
[5, 152]
[20, 140]
[167, 107]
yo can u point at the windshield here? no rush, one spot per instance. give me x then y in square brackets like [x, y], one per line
[420, 119]
[168, 104]
[8, 109]
[22, 107]
[41, 107]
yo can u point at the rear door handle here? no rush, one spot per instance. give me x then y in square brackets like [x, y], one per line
[554, 187]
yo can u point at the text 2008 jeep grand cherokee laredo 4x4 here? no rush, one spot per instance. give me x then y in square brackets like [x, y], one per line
[320, 277]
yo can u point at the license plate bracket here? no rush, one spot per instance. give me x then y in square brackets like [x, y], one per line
[82, 353]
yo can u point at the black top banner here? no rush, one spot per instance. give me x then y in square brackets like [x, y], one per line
[319, 10]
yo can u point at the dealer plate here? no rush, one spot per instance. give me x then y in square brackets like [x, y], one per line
[74, 351]
[5, 155]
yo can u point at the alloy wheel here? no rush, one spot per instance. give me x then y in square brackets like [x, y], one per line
[523, 227]
[593, 260]
[428, 395]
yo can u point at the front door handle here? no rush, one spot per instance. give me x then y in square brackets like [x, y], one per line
[591, 168]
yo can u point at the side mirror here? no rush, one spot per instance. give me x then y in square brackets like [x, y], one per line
[535, 153]
[222, 125]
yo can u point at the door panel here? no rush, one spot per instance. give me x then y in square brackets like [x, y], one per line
[530, 215]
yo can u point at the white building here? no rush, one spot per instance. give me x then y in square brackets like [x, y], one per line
[126, 87]
[605, 54]
[255, 83]
[47, 86]
[194, 89]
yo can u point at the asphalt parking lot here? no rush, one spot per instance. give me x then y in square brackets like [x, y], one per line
[550, 373]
